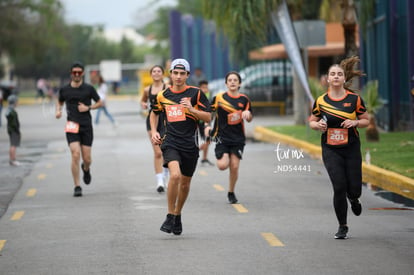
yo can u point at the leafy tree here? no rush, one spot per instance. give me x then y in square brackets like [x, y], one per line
[28, 28]
[159, 27]
[126, 50]
[330, 11]
[373, 103]
[244, 23]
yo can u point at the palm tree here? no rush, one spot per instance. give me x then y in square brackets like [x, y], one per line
[349, 22]
[316, 87]
[246, 23]
[331, 10]
[372, 103]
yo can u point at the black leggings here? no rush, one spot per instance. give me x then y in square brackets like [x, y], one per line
[344, 166]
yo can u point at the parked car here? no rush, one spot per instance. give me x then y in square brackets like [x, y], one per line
[261, 82]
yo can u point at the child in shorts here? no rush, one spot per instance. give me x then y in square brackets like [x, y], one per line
[13, 129]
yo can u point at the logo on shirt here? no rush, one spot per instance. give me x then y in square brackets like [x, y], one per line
[347, 104]
[240, 105]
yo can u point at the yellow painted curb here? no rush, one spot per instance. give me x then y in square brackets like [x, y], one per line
[375, 175]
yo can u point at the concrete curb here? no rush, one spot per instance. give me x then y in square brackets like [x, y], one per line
[375, 175]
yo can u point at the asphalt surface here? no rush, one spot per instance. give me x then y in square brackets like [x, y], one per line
[284, 223]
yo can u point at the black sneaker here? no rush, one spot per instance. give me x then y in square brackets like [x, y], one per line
[342, 231]
[86, 175]
[168, 224]
[177, 228]
[232, 197]
[77, 192]
[206, 161]
[160, 189]
[356, 207]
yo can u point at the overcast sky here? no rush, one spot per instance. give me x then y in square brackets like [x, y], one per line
[113, 13]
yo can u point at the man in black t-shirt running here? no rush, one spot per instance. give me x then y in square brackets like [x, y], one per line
[183, 106]
[78, 98]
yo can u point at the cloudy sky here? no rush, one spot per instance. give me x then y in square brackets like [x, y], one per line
[113, 13]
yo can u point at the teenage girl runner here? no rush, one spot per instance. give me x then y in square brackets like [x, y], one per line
[231, 108]
[150, 93]
[337, 114]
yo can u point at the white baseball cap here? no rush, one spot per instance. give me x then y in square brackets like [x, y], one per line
[180, 63]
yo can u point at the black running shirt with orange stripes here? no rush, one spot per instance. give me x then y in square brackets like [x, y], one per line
[229, 125]
[335, 111]
[181, 125]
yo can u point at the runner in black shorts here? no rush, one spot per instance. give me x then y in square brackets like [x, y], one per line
[205, 138]
[337, 114]
[231, 108]
[149, 94]
[78, 98]
[183, 106]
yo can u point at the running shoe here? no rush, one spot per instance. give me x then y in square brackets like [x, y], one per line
[232, 197]
[14, 163]
[77, 192]
[160, 189]
[342, 231]
[177, 228]
[206, 161]
[168, 224]
[356, 206]
[86, 175]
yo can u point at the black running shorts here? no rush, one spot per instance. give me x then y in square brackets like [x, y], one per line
[14, 139]
[187, 160]
[85, 136]
[221, 149]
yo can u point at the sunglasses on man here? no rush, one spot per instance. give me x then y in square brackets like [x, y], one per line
[77, 73]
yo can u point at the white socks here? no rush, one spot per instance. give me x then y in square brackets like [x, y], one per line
[160, 179]
[166, 172]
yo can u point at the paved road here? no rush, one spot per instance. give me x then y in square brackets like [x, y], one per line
[284, 223]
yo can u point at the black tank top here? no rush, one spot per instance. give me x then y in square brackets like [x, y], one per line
[153, 97]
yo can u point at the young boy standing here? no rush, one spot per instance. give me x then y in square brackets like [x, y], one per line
[13, 129]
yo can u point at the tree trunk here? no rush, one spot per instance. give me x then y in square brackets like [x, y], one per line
[349, 23]
[372, 134]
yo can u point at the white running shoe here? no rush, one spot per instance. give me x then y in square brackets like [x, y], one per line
[15, 163]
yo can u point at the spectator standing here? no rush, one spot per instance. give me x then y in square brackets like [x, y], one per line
[102, 92]
[13, 129]
[41, 86]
